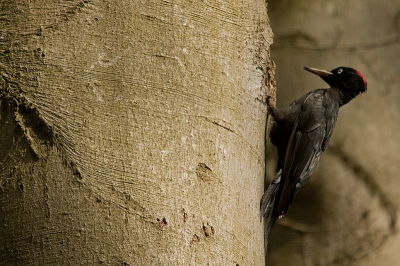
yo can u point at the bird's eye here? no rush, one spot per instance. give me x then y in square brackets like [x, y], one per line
[340, 70]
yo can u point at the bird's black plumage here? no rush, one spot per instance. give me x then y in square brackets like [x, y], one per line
[301, 133]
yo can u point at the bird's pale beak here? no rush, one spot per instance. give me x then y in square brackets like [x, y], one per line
[322, 73]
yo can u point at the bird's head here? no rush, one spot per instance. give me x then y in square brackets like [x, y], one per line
[348, 80]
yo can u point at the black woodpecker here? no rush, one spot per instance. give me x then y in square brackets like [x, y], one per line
[301, 133]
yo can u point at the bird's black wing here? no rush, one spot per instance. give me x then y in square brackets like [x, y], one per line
[312, 128]
[313, 118]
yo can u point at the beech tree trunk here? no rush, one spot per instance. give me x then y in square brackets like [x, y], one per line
[132, 132]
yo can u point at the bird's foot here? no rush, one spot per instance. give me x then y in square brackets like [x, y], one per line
[270, 103]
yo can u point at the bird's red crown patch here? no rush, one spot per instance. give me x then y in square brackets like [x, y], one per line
[361, 75]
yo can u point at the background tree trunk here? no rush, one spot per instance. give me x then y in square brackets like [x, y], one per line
[347, 213]
[132, 132]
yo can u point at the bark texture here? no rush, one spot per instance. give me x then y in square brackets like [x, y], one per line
[347, 213]
[132, 132]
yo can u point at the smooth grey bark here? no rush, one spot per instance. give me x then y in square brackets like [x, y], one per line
[132, 132]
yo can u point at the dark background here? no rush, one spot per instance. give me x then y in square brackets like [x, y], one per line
[347, 213]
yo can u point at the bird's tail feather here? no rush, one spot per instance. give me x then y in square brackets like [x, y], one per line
[266, 208]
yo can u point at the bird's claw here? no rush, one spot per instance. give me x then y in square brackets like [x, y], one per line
[268, 100]
[270, 103]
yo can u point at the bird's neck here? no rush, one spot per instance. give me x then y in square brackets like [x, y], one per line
[344, 96]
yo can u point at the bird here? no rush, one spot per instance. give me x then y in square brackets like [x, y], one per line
[301, 133]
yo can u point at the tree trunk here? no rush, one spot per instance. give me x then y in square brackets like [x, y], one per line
[132, 132]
